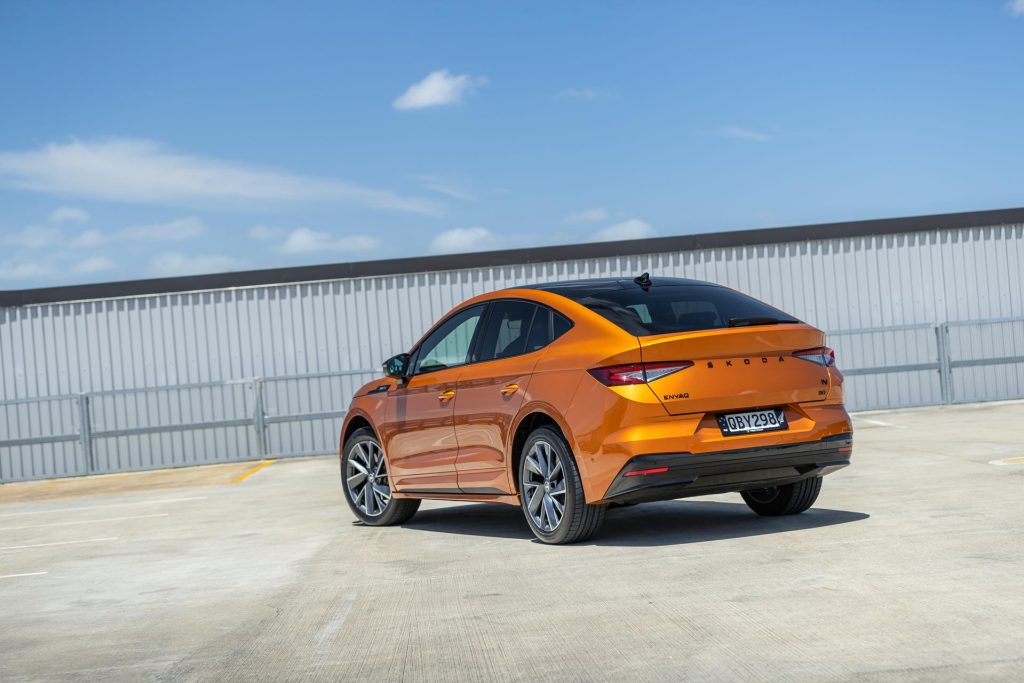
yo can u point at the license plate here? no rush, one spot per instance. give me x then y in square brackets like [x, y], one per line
[770, 420]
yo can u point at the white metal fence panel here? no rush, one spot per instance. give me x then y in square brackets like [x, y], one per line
[986, 359]
[885, 295]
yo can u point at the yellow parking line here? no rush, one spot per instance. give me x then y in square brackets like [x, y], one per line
[251, 471]
[1007, 461]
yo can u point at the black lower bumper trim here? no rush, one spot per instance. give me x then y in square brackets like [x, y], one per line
[687, 474]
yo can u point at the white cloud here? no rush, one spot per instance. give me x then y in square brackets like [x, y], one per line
[741, 133]
[438, 88]
[587, 216]
[445, 186]
[462, 239]
[130, 170]
[174, 231]
[1016, 7]
[90, 238]
[306, 241]
[586, 93]
[633, 229]
[173, 263]
[96, 264]
[33, 237]
[265, 232]
[23, 270]
[68, 214]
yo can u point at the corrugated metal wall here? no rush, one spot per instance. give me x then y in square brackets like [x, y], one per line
[895, 287]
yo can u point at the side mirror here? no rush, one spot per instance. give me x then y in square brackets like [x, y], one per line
[397, 366]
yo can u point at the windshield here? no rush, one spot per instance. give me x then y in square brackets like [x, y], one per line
[681, 308]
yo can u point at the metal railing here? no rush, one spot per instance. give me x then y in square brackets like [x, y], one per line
[237, 417]
[263, 417]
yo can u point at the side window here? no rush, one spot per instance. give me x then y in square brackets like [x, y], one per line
[548, 326]
[449, 344]
[562, 325]
[540, 333]
[506, 330]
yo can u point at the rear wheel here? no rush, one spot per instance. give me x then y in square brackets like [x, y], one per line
[364, 479]
[551, 491]
[789, 499]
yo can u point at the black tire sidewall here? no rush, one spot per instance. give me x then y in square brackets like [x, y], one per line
[362, 436]
[573, 484]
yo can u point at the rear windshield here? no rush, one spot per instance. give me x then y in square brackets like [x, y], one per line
[680, 308]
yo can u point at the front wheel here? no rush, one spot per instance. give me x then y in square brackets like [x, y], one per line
[789, 499]
[551, 491]
[364, 479]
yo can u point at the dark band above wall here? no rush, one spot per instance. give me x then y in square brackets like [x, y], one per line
[420, 264]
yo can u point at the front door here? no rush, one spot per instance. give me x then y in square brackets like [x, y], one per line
[419, 430]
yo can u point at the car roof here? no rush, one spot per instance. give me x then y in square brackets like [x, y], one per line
[577, 289]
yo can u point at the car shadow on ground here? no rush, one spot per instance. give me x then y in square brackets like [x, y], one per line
[671, 522]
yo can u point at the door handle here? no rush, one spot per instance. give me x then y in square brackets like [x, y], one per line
[509, 389]
[446, 396]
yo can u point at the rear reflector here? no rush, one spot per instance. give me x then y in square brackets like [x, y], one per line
[637, 473]
[637, 373]
[846, 449]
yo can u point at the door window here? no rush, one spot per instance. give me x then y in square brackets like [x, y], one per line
[448, 346]
[506, 330]
[548, 325]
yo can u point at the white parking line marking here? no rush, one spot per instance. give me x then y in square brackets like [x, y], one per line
[47, 545]
[14, 576]
[878, 423]
[102, 507]
[330, 630]
[82, 521]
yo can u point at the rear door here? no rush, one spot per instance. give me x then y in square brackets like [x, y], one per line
[491, 389]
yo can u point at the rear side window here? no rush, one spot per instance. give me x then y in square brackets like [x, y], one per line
[548, 325]
[514, 327]
[506, 330]
[680, 308]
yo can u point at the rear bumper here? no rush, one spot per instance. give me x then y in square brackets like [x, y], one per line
[687, 474]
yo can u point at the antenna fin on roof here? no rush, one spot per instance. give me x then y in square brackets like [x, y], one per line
[644, 281]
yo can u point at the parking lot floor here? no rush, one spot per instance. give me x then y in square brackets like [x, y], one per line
[909, 568]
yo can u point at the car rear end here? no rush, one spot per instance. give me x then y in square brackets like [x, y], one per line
[725, 394]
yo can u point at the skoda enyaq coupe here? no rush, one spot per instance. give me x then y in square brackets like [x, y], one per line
[568, 397]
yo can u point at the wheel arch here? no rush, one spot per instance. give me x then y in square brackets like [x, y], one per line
[355, 420]
[531, 418]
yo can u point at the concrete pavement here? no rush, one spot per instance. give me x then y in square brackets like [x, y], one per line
[909, 568]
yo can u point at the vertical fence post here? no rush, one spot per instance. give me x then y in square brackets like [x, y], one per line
[85, 431]
[945, 370]
[259, 418]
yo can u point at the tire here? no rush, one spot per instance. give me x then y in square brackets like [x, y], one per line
[363, 452]
[790, 499]
[548, 477]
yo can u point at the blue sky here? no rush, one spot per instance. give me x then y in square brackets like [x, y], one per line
[153, 139]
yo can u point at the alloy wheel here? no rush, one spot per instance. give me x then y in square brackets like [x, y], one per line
[764, 496]
[544, 486]
[366, 477]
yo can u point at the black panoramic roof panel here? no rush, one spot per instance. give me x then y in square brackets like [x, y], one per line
[577, 289]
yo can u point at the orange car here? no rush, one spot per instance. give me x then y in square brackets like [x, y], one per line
[567, 397]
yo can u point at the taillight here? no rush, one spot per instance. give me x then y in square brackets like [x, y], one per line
[822, 356]
[637, 373]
